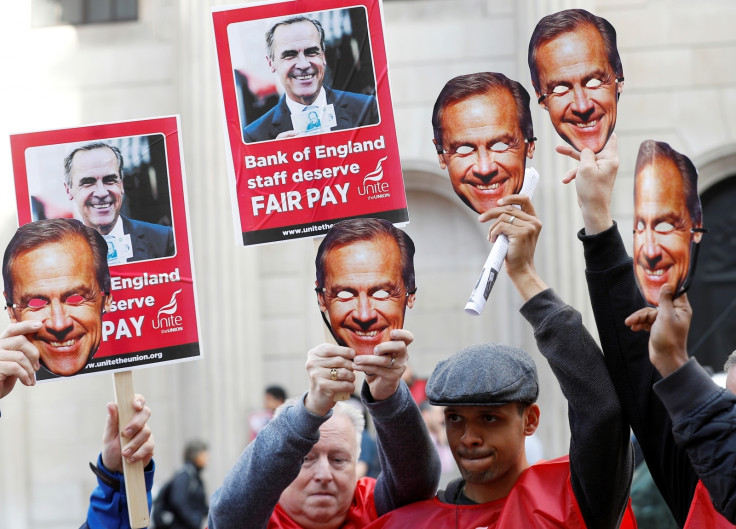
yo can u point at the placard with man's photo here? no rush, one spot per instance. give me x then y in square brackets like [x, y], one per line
[124, 181]
[308, 117]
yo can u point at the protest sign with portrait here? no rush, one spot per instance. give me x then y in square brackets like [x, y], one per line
[308, 117]
[126, 182]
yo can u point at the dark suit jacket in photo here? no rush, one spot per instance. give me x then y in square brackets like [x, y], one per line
[149, 241]
[351, 110]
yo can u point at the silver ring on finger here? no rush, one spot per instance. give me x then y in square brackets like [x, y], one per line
[512, 219]
[393, 359]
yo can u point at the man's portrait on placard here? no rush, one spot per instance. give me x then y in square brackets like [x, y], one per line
[118, 186]
[303, 74]
[668, 220]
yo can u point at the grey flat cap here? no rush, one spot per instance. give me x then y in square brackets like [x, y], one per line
[482, 375]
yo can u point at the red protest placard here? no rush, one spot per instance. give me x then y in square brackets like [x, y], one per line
[139, 206]
[308, 117]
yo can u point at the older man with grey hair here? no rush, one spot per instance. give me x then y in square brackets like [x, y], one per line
[490, 391]
[300, 471]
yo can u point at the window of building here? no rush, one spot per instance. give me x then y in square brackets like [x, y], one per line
[81, 12]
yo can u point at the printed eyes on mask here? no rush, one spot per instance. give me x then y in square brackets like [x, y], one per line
[39, 303]
[466, 150]
[379, 295]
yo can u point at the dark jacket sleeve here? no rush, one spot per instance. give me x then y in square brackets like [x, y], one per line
[186, 497]
[614, 296]
[277, 452]
[410, 465]
[704, 424]
[108, 504]
[601, 458]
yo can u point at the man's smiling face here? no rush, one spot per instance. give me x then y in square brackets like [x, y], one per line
[485, 150]
[364, 294]
[299, 60]
[662, 227]
[55, 283]
[96, 188]
[580, 87]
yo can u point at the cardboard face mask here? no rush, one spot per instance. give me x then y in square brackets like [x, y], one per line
[577, 76]
[483, 137]
[667, 220]
[360, 282]
[52, 271]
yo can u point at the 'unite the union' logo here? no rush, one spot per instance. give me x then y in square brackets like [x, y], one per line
[377, 189]
[167, 320]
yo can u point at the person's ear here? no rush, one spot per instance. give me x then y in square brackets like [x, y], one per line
[107, 304]
[543, 102]
[270, 64]
[68, 191]
[321, 299]
[440, 156]
[698, 234]
[11, 312]
[530, 150]
[531, 418]
[410, 299]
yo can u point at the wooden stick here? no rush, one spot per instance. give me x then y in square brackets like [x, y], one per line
[135, 483]
[328, 335]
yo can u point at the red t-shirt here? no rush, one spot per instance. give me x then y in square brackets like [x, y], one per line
[703, 514]
[541, 498]
[362, 511]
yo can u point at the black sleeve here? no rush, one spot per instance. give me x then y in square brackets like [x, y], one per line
[181, 500]
[704, 424]
[601, 458]
[614, 296]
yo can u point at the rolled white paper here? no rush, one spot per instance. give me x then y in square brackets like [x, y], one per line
[492, 266]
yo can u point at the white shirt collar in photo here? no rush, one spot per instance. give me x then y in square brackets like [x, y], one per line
[117, 230]
[320, 102]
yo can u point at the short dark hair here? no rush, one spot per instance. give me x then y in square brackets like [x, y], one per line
[650, 149]
[193, 449]
[91, 147]
[34, 234]
[276, 392]
[482, 83]
[367, 229]
[554, 25]
[293, 20]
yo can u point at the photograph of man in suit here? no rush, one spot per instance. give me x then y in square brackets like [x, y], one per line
[295, 52]
[93, 179]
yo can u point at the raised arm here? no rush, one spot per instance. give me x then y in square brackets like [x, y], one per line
[703, 414]
[108, 506]
[614, 296]
[410, 465]
[601, 460]
[252, 488]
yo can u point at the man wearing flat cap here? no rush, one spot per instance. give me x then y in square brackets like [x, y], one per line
[490, 391]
